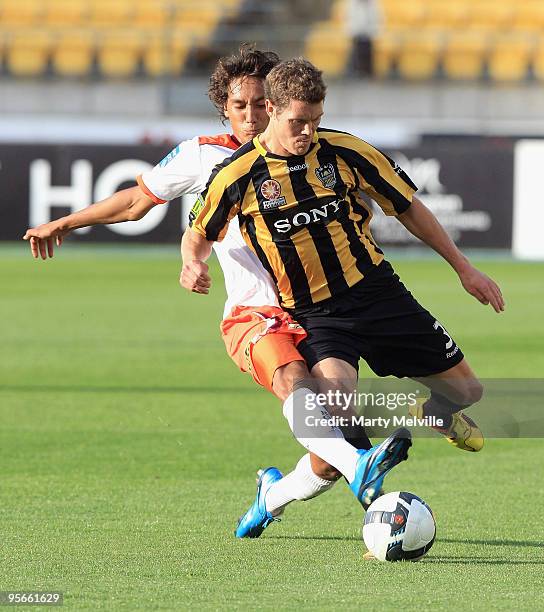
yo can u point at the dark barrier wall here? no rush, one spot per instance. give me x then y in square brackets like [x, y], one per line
[468, 184]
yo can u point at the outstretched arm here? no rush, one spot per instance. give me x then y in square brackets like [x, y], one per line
[195, 250]
[421, 222]
[126, 205]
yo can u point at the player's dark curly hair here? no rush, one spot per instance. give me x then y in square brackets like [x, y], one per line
[248, 62]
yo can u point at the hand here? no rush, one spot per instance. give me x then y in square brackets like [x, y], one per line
[483, 288]
[194, 277]
[42, 237]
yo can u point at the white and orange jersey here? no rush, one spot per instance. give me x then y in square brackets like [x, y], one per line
[186, 170]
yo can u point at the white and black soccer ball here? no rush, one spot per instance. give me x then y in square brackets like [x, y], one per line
[399, 527]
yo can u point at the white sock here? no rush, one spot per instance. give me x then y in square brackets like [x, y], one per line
[300, 484]
[324, 440]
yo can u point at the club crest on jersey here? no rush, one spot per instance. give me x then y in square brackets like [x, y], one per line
[326, 175]
[271, 191]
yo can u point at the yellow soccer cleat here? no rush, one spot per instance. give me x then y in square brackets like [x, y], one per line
[463, 432]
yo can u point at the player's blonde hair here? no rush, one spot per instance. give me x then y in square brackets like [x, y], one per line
[295, 79]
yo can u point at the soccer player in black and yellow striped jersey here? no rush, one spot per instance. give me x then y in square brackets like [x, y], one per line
[296, 191]
[304, 215]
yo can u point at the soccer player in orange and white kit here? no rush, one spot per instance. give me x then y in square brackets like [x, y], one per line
[260, 337]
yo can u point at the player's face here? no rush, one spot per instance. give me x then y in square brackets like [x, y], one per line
[245, 108]
[295, 126]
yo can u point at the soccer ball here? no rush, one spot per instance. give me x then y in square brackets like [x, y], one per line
[399, 527]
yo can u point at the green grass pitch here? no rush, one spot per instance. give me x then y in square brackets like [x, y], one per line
[129, 444]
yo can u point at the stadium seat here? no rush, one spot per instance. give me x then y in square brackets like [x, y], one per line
[73, 53]
[328, 44]
[110, 13]
[65, 13]
[464, 55]
[28, 52]
[402, 14]
[20, 12]
[445, 15]
[384, 53]
[198, 23]
[166, 56]
[490, 15]
[419, 56]
[509, 59]
[328, 48]
[118, 52]
[529, 16]
[151, 14]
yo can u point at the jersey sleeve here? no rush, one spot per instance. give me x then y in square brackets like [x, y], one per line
[180, 172]
[215, 207]
[378, 175]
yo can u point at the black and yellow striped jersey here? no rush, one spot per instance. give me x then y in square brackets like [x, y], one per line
[304, 216]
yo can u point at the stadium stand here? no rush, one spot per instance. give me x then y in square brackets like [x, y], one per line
[460, 40]
[421, 40]
[111, 38]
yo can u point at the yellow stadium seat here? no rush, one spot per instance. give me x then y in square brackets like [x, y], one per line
[419, 56]
[509, 59]
[198, 23]
[490, 15]
[529, 15]
[384, 52]
[446, 15]
[110, 13]
[73, 54]
[464, 55]
[403, 14]
[538, 61]
[20, 12]
[329, 48]
[151, 14]
[65, 13]
[166, 56]
[28, 52]
[119, 52]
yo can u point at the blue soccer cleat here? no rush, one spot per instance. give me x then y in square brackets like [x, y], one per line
[374, 464]
[257, 518]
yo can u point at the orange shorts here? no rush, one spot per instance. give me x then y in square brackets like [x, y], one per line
[261, 339]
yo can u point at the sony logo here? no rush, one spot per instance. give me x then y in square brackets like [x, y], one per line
[305, 218]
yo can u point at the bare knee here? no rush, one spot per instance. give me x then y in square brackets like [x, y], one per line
[287, 377]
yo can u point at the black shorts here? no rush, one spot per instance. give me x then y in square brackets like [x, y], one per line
[378, 320]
